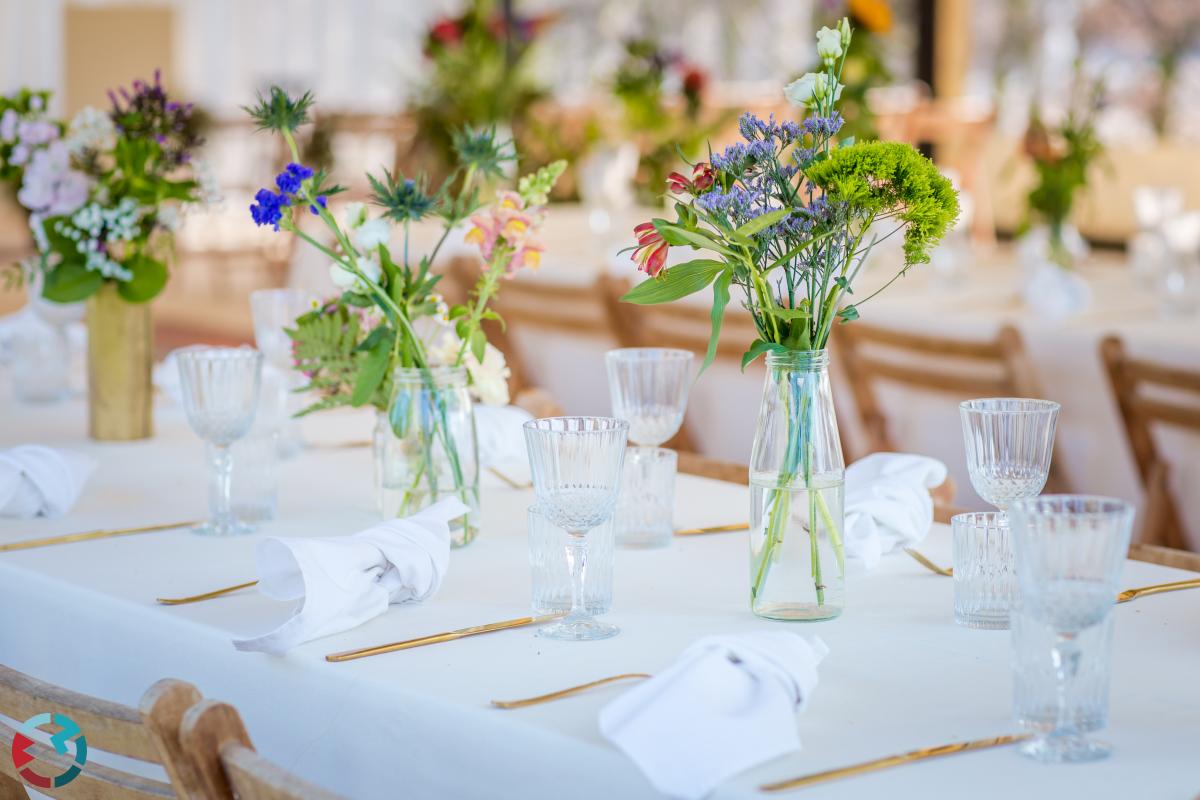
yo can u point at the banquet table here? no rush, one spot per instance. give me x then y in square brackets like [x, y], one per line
[417, 723]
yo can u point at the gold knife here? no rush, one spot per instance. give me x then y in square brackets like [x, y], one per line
[1158, 588]
[512, 482]
[196, 598]
[737, 526]
[893, 761]
[88, 536]
[437, 638]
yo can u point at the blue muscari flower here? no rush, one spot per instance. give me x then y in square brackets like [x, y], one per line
[268, 208]
[823, 126]
[320, 202]
[292, 176]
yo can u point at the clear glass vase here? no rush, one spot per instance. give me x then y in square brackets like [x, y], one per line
[797, 474]
[425, 447]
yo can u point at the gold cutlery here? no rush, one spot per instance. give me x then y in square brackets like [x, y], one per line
[737, 526]
[893, 761]
[1158, 588]
[510, 481]
[437, 638]
[929, 565]
[88, 536]
[574, 690]
[196, 598]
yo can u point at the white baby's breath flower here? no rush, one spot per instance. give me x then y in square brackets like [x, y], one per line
[170, 218]
[371, 234]
[829, 44]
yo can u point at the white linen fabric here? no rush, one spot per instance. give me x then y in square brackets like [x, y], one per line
[887, 503]
[727, 704]
[343, 582]
[36, 480]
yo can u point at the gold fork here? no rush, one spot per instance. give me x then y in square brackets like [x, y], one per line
[574, 690]
[512, 482]
[925, 562]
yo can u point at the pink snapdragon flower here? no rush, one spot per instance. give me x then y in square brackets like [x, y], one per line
[507, 230]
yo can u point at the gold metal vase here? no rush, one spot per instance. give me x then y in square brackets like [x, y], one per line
[120, 353]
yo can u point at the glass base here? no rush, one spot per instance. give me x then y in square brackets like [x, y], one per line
[1065, 749]
[797, 612]
[578, 630]
[644, 540]
[226, 528]
[461, 536]
[985, 622]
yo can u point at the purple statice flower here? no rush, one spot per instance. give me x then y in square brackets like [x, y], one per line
[320, 202]
[823, 127]
[739, 156]
[148, 113]
[267, 208]
[752, 128]
[736, 203]
[292, 176]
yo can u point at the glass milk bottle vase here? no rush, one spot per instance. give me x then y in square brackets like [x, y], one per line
[425, 447]
[797, 561]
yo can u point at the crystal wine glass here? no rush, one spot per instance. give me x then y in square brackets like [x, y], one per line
[1009, 443]
[220, 394]
[1069, 552]
[576, 465]
[275, 310]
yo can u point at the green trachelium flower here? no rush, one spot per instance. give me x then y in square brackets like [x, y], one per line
[280, 112]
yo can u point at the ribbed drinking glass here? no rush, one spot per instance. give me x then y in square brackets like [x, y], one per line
[984, 579]
[576, 470]
[1069, 550]
[1009, 443]
[220, 394]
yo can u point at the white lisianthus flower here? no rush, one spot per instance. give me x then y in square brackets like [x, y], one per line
[356, 214]
[809, 88]
[347, 281]
[829, 44]
[372, 233]
[844, 30]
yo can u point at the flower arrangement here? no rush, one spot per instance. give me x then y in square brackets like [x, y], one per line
[390, 316]
[789, 215]
[1061, 156]
[105, 195]
[662, 96]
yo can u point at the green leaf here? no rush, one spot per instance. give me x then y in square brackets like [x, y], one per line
[759, 224]
[374, 367]
[71, 282]
[848, 314]
[788, 313]
[675, 282]
[149, 278]
[847, 142]
[758, 348]
[478, 344]
[675, 235]
[845, 284]
[717, 316]
[795, 251]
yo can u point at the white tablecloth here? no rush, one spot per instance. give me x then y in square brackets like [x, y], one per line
[417, 724]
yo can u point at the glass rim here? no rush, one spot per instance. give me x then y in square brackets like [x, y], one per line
[1107, 506]
[417, 372]
[990, 519]
[612, 424]
[213, 352]
[643, 353]
[1040, 406]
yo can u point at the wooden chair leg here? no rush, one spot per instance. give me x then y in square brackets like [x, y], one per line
[11, 789]
[207, 727]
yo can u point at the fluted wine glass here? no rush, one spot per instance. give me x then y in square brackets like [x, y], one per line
[220, 394]
[1009, 443]
[1069, 553]
[576, 465]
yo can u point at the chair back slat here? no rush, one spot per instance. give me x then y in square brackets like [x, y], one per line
[95, 782]
[1132, 380]
[219, 750]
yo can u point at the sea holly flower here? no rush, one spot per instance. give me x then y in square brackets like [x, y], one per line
[829, 45]
[403, 199]
[279, 111]
[651, 252]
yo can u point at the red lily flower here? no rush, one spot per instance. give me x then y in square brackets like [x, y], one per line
[677, 184]
[703, 175]
[651, 252]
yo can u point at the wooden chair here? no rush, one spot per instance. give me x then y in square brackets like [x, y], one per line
[1142, 389]
[147, 733]
[220, 754]
[956, 367]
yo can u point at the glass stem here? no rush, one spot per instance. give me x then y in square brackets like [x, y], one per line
[1066, 664]
[577, 564]
[220, 500]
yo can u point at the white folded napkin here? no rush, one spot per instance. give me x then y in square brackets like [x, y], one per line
[499, 431]
[725, 705]
[36, 480]
[347, 580]
[888, 504]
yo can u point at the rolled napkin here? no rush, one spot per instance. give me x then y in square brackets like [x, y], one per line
[36, 480]
[499, 430]
[347, 580]
[888, 505]
[725, 705]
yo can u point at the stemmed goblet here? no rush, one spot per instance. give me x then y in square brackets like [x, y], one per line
[220, 394]
[649, 389]
[576, 466]
[1009, 443]
[1069, 553]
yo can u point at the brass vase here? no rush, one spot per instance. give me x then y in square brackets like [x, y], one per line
[120, 354]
